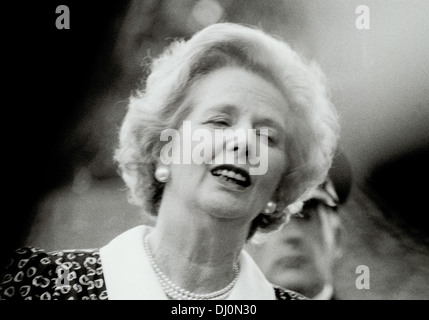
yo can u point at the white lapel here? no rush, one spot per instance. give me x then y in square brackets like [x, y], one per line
[128, 273]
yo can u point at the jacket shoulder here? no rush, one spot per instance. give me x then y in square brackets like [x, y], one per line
[285, 294]
[36, 274]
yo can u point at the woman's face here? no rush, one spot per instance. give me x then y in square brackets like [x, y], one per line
[242, 102]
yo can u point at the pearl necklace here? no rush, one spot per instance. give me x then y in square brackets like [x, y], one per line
[174, 292]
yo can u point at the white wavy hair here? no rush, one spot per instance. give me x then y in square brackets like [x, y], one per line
[161, 103]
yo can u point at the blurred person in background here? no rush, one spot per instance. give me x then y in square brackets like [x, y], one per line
[302, 255]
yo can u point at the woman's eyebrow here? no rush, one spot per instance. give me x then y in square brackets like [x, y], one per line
[230, 109]
[221, 108]
[271, 123]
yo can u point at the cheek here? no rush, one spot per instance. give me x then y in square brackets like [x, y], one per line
[199, 145]
[276, 165]
[271, 179]
[204, 147]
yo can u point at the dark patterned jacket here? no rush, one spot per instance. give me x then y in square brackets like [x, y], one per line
[34, 274]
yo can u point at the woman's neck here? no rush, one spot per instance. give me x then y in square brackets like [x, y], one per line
[196, 250]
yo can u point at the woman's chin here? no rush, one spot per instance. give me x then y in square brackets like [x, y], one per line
[225, 206]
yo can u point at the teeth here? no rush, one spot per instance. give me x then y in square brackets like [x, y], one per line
[229, 174]
[239, 177]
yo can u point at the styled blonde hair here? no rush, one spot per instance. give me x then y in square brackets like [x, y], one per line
[160, 103]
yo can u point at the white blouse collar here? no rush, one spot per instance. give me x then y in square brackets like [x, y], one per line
[128, 273]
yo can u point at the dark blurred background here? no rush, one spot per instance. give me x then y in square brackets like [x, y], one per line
[68, 89]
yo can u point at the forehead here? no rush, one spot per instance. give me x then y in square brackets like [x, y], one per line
[240, 88]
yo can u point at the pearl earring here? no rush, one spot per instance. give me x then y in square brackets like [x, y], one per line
[162, 174]
[270, 207]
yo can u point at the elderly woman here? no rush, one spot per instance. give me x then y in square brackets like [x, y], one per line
[227, 77]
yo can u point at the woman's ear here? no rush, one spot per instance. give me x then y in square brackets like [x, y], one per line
[164, 157]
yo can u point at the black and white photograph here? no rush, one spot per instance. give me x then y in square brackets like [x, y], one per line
[215, 150]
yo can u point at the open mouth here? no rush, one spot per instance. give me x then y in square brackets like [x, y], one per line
[232, 174]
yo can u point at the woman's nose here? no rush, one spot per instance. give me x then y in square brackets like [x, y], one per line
[241, 143]
[242, 140]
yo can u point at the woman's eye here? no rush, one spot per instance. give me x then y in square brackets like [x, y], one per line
[268, 134]
[219, 122]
